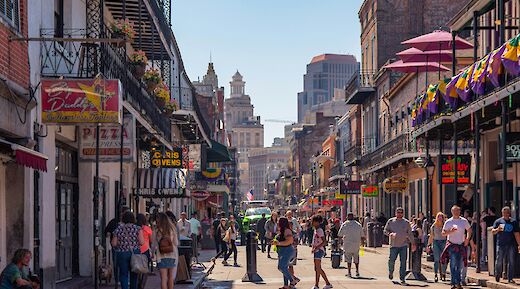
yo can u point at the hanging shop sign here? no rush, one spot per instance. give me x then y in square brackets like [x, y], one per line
[198, 185]
[194, 157]
[332, 202]
[351, 187]
[513, 147]
[166, 159]
[395, 185]
[370, 191]
[200, 195]
[109, 141]
[463, 169]
[71, 101]
[340, 196]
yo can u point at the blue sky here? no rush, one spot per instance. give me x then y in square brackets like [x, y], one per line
[268, 41]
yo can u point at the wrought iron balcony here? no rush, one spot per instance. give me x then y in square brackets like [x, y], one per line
[360, 86]
[399, 145]
[68, 58]
[352, 154]
[184, 96]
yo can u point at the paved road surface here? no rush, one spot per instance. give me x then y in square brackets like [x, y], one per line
[374, 274]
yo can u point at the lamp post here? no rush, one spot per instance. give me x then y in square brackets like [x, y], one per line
[429, 167]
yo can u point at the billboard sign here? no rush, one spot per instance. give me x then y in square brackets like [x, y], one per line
[463, 169]
[166, 159]
[370, 191]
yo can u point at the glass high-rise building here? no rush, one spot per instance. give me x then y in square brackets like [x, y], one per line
[325, 72]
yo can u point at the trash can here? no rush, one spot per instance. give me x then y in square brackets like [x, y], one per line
[186, 250]
[335, 257]
[378, 235]
[370, 232]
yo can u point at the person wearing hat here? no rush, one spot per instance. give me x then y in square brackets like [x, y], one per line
[352, 233]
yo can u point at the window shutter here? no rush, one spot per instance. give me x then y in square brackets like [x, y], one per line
[16, 15]
[9, 9]
[2, 6]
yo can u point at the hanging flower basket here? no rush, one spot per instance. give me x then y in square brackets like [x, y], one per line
[138, 62]
[152, 78]
[122, 29]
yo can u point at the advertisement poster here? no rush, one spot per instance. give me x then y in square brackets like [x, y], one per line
[73, 101]
[195, 160]
[370, 191]
[109, 141]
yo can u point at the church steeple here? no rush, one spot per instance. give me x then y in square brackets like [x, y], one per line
[237, 85]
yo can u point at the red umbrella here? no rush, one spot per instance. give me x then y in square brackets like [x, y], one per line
[437, 40]
[415, 55]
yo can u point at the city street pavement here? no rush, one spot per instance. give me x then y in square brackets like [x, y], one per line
[374, 273]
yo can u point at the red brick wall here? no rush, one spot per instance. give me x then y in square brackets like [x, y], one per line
[14, 63]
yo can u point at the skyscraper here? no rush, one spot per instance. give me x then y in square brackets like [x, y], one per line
[325, 73]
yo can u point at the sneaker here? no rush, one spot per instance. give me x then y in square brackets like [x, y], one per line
[225, 263]
[357, 274]
[235, 264]
[403, 282]
[391, 276]
[328, 286]
[511, 282]
[315, 287]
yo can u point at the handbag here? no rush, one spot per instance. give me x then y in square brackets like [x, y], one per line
[139, 263]
[227, 237]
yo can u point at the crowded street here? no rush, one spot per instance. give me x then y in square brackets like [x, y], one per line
[190, 144]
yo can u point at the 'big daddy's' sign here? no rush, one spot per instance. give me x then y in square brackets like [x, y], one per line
[448, 169]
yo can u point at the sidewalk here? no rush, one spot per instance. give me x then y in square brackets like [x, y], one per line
[482, 279]
[154, 281]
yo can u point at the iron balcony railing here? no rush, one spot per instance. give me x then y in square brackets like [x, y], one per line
[364, 78]
[352, 153]
[399, 145]
[184, 96]
[67, 59]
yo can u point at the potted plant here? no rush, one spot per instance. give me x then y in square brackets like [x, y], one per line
[162, 95]
[170, 107]
[122, 29]
[138, 62]
[152, 78]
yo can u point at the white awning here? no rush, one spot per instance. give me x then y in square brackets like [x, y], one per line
[160, 178]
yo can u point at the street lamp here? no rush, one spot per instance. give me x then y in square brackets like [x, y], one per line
[429, 167]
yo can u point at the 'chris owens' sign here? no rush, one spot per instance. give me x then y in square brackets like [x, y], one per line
[463, 169]
[167, 159]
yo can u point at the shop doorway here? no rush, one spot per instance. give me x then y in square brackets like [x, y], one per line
[494, 196]
[66, 229]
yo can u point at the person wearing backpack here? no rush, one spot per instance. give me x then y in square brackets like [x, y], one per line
[168, 254]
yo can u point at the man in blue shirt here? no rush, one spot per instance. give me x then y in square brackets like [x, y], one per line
[14, 276]
[508, 243]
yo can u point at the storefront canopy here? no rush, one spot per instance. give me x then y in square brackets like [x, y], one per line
[217, 153]
[26, 157]
[160, 183]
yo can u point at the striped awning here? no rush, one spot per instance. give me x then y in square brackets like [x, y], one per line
[160, 183]
[160, 178]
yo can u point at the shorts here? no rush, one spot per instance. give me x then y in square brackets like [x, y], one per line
[294, 259]
[166, 263]
[318, 255]
[349, 256]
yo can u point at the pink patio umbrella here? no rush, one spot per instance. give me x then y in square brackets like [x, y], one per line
[415, 55]
[437, 40]
[410, 67]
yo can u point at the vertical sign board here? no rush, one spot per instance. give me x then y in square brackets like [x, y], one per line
[463, 169]
[195, 157]
[109, 141]
[72, 101]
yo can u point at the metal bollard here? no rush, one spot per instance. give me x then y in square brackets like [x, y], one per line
[251, 247]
